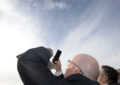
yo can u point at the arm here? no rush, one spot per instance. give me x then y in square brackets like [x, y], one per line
[32, 67]
[57, 66]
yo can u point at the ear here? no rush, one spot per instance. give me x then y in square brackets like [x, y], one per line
[105, 79]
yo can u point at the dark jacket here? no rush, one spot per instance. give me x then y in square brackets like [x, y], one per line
[111, 83]
[33, 70]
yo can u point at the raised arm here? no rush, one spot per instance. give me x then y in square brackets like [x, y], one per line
[33, 67]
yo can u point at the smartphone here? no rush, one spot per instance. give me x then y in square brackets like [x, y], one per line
[57, 55]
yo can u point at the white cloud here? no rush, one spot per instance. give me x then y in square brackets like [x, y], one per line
[10, 78]
[49, 4]
[18, 32]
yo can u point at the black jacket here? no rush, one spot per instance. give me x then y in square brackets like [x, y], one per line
[33, 70]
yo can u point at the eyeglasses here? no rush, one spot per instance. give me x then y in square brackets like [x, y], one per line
[76, 66]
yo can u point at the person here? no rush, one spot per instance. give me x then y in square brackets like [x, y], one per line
[79, 60]
[108, 76]
[118, 70]
[33, 69]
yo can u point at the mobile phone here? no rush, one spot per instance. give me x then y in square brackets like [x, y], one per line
[57, 55]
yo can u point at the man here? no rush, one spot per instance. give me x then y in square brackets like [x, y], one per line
[108, 76]
[33, 69]
[82, 62]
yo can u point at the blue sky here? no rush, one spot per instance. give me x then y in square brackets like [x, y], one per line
[74, 26]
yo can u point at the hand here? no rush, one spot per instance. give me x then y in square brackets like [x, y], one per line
[57, 66]
[50, 65]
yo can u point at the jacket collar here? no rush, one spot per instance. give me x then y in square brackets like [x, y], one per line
[79, 77]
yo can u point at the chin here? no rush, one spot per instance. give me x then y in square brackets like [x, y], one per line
[66, 74]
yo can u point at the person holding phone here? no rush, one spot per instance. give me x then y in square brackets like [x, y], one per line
[33, 69]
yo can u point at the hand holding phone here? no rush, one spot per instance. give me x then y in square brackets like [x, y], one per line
[57, 55]
[57, 66]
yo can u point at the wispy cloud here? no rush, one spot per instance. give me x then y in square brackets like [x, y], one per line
[85, 27]
[50, 4]
[87, 37]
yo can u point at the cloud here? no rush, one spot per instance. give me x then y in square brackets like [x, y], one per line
[10, 78]
[18, 32]
[50, 4]
[96, 32]
[84, 29]
[91, 36]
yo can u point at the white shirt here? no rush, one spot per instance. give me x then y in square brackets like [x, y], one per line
[58, 73]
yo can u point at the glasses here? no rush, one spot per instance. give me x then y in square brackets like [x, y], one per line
[76, 66]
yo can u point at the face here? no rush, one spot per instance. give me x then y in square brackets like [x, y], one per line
[102, 79]
[119, 77]
[71, 69]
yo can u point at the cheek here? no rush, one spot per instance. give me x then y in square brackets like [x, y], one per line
[69, 69]
[68, 65]
[100, 79]
[119, 77]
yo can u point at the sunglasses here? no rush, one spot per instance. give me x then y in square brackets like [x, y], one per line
[76, 66]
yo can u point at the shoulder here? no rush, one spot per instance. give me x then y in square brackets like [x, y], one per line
[77, 79]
